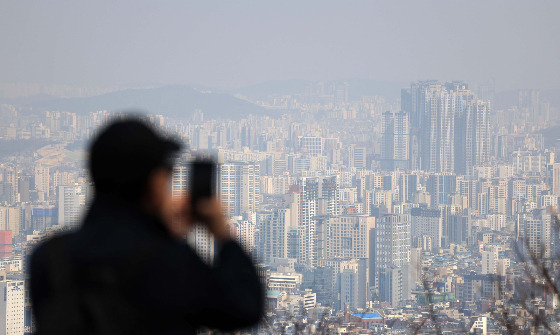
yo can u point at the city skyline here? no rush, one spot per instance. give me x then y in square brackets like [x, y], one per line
[348, 203]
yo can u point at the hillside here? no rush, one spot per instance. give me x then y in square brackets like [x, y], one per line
[171, 101]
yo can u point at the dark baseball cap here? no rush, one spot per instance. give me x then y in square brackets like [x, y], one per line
[124, 154]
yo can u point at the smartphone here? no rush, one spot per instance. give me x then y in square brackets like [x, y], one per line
[203, 181]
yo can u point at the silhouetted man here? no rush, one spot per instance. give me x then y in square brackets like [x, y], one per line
[127, 269]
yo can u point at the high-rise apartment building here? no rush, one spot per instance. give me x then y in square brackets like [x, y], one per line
[316, 196]
[12, 307]
[11, 218]
[416, 274]
[352, 284]
[72, 200]
[239, 187]
[43, 218]
[489, 261]
[311, 145]
[427, 222]
[348, 236]
[180, 180]
[276, 229]
[492, 263]
[359, 157]
[408, 186]
[42, 182]
[556, 179]
[473, 137]
[329, 196]
[441, 186]
[244, 233]
[392, 249]
[450, 126]
[535, 234]
[395, 141]
[289, 230]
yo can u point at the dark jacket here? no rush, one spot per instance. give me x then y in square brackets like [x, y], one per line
[167, 288]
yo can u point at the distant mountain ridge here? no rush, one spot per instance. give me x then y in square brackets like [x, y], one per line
[509, 98]
[358, 87]
[171, 101]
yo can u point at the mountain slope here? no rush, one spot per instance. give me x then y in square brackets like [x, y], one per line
[171, 101]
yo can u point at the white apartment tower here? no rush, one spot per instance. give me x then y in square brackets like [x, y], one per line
[556, 179]
[12, 307]
[395, 141]
[392, 257]
[535, 234]
[239, 187]
[72, 201]
[244, 232]
[42, 181]
[276, 228]
[312, 196]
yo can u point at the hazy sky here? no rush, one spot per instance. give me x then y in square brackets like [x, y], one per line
[237, 43]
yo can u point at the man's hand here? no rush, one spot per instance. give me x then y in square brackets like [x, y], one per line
[177, 216]
[209, 212]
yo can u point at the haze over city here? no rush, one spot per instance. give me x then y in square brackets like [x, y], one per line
[227, 44]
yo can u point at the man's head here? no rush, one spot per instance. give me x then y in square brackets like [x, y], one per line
[129, 161]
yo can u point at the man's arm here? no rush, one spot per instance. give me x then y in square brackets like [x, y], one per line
[242, 294]
[225, 296]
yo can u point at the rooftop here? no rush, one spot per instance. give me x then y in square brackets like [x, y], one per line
[368, 315]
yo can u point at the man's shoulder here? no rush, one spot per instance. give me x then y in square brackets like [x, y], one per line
[41, 249]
